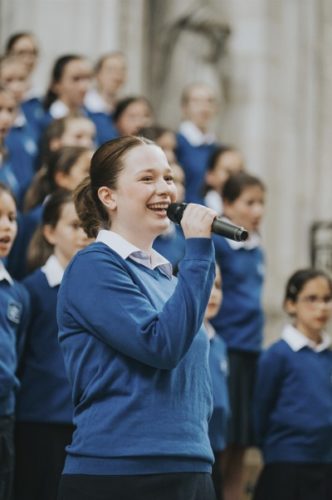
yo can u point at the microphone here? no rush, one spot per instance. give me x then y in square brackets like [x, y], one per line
[236, 233]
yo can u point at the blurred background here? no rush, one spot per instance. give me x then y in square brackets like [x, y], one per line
[270, 64]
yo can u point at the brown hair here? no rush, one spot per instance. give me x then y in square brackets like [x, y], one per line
[106, 165]
[39, 249]
[44, 181]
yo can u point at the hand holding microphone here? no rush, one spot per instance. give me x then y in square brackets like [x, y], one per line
[175, 213]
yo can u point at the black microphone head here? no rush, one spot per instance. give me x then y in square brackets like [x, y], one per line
[175, 212]
[241, 235]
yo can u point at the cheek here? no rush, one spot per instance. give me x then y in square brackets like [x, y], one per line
[14, 230]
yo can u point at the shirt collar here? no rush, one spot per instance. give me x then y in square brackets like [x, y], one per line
[95, 102]
[53, 271]
[194, 135]
[58, 109]
[4, 274]
[127, 250]
[253, 240]
[20, 120]
[211, 333]
[297, 341]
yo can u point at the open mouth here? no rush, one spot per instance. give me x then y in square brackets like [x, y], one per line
[5, 240]
[159, 208]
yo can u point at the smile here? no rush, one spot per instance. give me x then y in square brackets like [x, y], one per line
[158, 207]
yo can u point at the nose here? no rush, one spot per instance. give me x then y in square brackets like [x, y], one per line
[164, 187]
[5, 223]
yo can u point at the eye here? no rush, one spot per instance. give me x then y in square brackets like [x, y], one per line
[147, 178]
[169, 178]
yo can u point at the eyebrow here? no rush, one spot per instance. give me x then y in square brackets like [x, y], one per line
[152, 170]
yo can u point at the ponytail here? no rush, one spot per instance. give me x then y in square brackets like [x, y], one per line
[38, 190]
[92, 214]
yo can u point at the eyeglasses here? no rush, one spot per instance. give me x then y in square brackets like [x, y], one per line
[26, 52]
[314, 300]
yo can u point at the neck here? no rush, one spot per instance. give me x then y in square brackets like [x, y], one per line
[142, 242]
[72, 108]
[313, 335]
[61, 258]
[109, 97]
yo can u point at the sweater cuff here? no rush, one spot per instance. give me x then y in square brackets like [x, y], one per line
[199, 248]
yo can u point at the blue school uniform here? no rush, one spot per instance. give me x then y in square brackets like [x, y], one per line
[23, 148]
[105, 128]
[14, 313]
[45, 394]
[137, 358]
[219, 373]
[8, 177]
[193, 152]
[171, 244]
[240, 319]
[58, 109]
[27, 224]
[14, 310]
[34, 113]
[293, 400]
[99, 113]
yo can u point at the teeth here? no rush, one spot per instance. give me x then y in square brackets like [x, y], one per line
[159, 205]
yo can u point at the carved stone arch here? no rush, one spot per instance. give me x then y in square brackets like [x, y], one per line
[186, 46]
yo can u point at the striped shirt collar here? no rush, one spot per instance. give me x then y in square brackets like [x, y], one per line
[297, 341]
[127, 250]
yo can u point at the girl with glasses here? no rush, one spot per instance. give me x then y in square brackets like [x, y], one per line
[293, 400]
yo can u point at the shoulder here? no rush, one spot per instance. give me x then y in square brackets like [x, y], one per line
[17, 292]
[34, 280]
[95, 253]
[96, 259]
[278, 351]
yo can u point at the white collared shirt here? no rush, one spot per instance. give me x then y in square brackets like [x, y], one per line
[211, 333]
[194, 135]
[126, 250]
[95, 102]
[53, 271]
[4, 274]
[253, 240]
[58, 109]
[297, 340]
[20, 120]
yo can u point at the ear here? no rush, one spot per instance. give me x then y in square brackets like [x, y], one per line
[290, 307]
[48, 232]
[108, 197]
[209, 177]
[62, 180]
[55, 144]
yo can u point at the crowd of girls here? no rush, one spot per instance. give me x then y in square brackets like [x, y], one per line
[131, 348]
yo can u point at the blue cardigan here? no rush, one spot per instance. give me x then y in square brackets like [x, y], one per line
[293, 404]
[14, 313]
[45, 393]
[194, 161]
[137, 360]
[240, 319]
